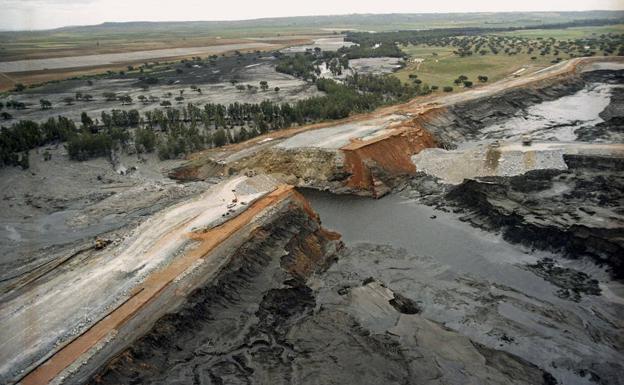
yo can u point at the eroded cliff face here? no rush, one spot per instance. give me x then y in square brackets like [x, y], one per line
[375, 165]
[304, 167]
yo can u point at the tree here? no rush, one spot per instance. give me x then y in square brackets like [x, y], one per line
[467, 83]
[110, 96]
[240, 87]
[45, 104]
[483, 78]
[125, 99]
[179, 99]
[68, 100]
[447, 89]
[264, 85]
[6, 116]
[87, 122]
[19, 87]
[144, 140]
[78, 96]
[276, 89]
[165, 103]
[87, 97]
[233, 81]
[142, 99]
[133, 118]
[219, 138]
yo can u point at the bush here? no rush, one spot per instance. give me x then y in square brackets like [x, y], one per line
[86, 145]
[447, 89]
[145, 140]
[219, 138]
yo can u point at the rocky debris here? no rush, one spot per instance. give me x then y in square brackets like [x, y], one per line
[572, 283]
[510, 159]
[577, 211]
[404, 305]
[307, 167]
[426, 189]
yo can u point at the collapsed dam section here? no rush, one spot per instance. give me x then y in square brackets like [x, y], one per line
[368, 154]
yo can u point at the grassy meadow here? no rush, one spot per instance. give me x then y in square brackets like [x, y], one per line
[440, 66]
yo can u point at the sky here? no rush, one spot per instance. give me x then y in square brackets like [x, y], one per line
[44, 14]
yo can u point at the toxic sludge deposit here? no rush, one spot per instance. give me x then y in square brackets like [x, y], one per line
[489, 257]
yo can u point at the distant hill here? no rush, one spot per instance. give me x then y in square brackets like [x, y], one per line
[114, 37]
[363, 22]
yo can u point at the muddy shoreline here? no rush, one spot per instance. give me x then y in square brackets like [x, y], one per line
[262, 322]
[555, 210]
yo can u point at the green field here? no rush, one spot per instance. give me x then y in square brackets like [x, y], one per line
[443, 68]
[119, 37]
[568, 33]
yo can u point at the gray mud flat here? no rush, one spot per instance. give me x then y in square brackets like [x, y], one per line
[500, 295]
[552, 112]
[113, 58]
[261, 322]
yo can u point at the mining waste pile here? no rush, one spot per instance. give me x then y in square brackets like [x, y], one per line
[492, 256]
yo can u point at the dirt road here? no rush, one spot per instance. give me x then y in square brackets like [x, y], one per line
[131, 274]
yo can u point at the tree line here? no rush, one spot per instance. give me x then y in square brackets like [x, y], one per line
[173, 132]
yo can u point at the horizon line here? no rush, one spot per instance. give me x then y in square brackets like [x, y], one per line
[299, 16]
